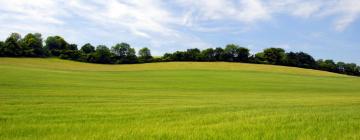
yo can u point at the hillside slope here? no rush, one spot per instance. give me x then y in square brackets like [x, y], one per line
[58, 99]
[59, 64]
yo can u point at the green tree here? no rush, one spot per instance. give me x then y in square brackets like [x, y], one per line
[71, 54]
[341, 67]
[327, 65]
[208, 55]
[167, 57]
[219, 54]
[121, 49]
[357, 71]
[33, 45]
[291, 59]
[242, 54]
[87, 48]
[300, 59]
[102, 55]
[2, 47]
[72, 47]
[12, 45]
[145, 55]
[230, 52]
[351, 69]
[56, 44]
[259, 58]
[124, 53]
[192, 54]
[305, 60]
[179, 56]
[274, 55]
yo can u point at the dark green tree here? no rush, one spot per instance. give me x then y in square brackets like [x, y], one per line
[305, 60]
[2, 47]
[291, 59]
[192, 54]
[12, 45]
[219, 54]
[208, 55]
[72, 47]
[274, 55]
[167, 57]
[56, 44]
[351, 69]
[327, 65]
[357, 71]
[242, 54]
[145, 55]
[71, 55]
[230, 52]
[32, 45]
[124, 53]
[299, 59]
[178, 56]
[87, 48]
[341, 67]
[121, 49]
[102, 55]
[259, 58]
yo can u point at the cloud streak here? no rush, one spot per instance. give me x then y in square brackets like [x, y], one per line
[167, 24]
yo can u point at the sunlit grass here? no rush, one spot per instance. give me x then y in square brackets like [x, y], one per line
[58, 99]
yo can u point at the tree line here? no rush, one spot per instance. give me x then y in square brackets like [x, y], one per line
[32, 45]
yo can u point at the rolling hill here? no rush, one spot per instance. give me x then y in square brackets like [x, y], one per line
[59, 99]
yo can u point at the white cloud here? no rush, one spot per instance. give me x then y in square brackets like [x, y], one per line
[146, 20]
[43, 11]
[306, 9]
[160, 22]
[299, 8]
[138, 17]
[250, 12]
[247, 11]
[346, 10]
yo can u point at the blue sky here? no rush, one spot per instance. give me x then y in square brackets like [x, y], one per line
[326, 29]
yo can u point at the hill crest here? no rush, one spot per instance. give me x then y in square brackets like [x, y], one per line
[59, 64]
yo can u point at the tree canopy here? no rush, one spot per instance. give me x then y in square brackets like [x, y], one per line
[145, 55]
[87, 48]
[12, 46]
[56, 44]
[122, 53]
[33, 45]
[274, 55]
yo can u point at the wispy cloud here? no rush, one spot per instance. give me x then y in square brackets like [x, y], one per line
[245, 11]
[159, 22]
[343, 12]
[347, 11]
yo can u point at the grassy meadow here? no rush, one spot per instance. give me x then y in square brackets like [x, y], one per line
[58, 99]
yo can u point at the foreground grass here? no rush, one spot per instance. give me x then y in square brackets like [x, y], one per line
[57, 99]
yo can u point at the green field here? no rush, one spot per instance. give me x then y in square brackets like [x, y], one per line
[58, 99]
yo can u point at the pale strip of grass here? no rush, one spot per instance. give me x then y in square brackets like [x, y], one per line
[58, 64]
